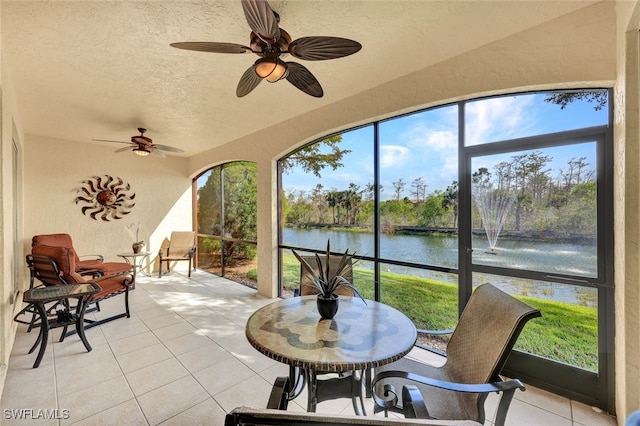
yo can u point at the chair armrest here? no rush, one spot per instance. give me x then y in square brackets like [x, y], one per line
[93, 273]
[413, 403]
[452, 386]
[436, 332]
[95, 256]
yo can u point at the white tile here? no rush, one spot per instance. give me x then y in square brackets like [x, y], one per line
[172, 399]
[186, 343]
[133, 343]
[155, 376]
[203, 357]
[126, 414]
[144, 357]
[590, 416]
[207, 412]
[90, 401]
[223, 375]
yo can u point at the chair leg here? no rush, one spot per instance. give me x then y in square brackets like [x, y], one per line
[189, 266]
[160, 270]
[126, 302]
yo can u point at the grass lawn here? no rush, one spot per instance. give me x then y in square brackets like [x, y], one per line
[565, 333]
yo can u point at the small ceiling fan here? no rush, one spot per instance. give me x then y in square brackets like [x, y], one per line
[270, 42]
[142, 145]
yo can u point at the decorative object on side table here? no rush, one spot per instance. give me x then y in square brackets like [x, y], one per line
[327, 280]
[138, 245]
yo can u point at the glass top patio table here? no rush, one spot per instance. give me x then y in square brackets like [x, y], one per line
[360, 337]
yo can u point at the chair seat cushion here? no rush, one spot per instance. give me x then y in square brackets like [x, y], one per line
[441, 403]
[113, 268]
[109, 286]
[88, 264]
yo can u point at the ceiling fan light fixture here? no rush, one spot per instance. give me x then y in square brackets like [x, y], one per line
[142, 152]
[272, 69]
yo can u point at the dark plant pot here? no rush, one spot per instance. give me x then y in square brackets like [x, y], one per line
[327, 307]
[137, 247]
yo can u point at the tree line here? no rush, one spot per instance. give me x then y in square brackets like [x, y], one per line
[540, 200]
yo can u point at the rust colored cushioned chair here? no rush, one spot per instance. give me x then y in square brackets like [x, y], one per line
[56, 266]
[476, 353]
[92, 262]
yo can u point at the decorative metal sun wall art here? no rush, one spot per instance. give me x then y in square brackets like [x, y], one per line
[105, 197]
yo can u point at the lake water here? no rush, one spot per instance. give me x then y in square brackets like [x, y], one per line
[442, 250]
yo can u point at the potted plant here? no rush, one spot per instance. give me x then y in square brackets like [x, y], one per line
[137, 245]
[327, 280]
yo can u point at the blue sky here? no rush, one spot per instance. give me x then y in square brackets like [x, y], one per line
[424, 145]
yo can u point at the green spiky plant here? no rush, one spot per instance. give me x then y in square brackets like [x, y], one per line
[325, 280]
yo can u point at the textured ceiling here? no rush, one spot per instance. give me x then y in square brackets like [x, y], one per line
[100, 69]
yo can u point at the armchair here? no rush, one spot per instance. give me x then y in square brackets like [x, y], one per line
[182, 247]
[56, 266]
[476, 353]
[82, 263]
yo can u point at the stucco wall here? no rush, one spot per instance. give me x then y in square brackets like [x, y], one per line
[54, 170]
[627, 211]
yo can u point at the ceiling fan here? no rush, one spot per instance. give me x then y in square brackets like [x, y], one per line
[270, 42]
[142, 145]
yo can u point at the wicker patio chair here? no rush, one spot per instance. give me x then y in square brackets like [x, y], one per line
[476, 353]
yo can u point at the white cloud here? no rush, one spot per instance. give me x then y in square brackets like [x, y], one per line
[393, 155]
[495, 119]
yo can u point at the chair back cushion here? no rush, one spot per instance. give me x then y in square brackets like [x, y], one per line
[55, 240]
[485, 334]
[64, 259]
[181, 243]
[307, 288]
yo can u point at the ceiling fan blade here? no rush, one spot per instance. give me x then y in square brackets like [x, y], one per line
[261, 19]
[126, 148]
[321, 48]
[167, 148]
[248, 82]
[204, 46]
[158, 153]
[105, 140]
[301, 77]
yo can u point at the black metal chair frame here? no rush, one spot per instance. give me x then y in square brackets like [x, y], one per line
[50, 275]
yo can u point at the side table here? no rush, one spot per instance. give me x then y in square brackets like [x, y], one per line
[136, 260]
[39, 296]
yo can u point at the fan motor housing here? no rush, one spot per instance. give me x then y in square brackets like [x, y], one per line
[258, 45]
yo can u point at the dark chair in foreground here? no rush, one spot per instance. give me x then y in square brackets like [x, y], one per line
[476, 353]
[182, 247]
[274, 415]
[56, 266]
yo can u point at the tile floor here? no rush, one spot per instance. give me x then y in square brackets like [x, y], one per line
[182, 359]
